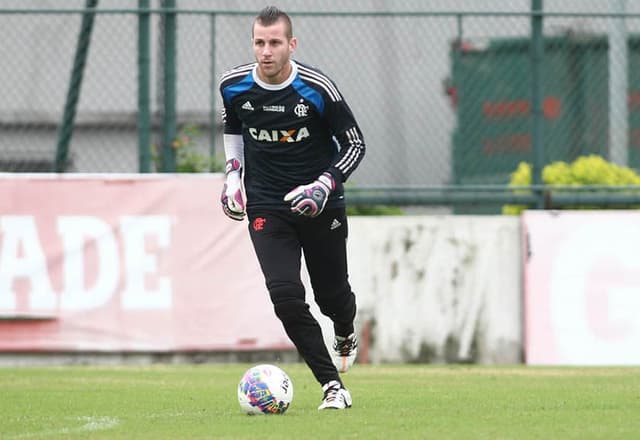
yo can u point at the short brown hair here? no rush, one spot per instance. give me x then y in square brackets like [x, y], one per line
[270, 15]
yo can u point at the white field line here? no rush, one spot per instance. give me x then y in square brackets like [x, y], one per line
[90, 424]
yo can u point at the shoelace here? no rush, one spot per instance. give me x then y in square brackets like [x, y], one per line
[331, 394]
[345, 347]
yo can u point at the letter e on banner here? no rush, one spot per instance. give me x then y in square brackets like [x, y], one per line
[138, 263]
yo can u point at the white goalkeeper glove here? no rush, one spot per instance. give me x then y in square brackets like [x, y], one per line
[232, 197]
[310, 199]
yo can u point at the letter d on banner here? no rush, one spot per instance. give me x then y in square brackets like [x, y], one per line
[74, 230]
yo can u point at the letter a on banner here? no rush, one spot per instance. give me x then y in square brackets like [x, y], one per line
[21, 256]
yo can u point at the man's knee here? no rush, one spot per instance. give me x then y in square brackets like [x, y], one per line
[288, 301]
[291, 310]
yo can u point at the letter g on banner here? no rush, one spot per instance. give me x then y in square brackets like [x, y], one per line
[594, 286]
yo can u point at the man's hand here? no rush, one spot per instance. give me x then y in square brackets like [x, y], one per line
[311, 198]
[232, 197]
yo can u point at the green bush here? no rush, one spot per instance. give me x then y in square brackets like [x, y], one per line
[586, 170]
[189, 159]
[374, 210]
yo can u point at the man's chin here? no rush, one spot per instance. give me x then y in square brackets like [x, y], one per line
[268, 74]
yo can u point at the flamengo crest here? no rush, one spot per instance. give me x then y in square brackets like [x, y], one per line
[301, 110]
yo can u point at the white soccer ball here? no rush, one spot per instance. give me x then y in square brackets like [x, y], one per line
[265, 389]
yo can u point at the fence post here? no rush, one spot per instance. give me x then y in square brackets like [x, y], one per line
[537, 94]
[144, 88]
[169, 88]
[75, 84]
[618, 86]
[213, 115]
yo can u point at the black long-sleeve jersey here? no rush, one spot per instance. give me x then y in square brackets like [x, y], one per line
[292, 132]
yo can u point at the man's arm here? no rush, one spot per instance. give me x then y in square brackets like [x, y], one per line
[310, 199]
[347, 133]
[352, 150]
[233, 199]
[233, 196]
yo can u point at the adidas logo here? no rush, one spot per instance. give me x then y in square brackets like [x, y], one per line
[335, 224]
[247, 106]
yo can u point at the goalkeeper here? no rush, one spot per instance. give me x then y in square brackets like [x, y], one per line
[291, 141]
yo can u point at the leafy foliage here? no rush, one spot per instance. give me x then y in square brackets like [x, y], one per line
[373, 210]
[189, 159]
[586, 170]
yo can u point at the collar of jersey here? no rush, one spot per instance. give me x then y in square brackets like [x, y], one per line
[282, 85]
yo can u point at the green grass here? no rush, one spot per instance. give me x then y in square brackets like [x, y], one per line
[390, 402]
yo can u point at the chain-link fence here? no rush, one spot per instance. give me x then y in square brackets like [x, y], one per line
[444, 96]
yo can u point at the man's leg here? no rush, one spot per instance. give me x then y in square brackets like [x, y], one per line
[277, 247]
[325, 252]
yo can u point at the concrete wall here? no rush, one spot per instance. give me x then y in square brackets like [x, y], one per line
[437, 288]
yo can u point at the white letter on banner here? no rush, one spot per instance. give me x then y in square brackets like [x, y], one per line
[74, 231]
[19, 233]
[577, 258]
[139, 263]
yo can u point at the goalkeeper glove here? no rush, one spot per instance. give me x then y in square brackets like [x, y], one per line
[232, 197]
[311, 198]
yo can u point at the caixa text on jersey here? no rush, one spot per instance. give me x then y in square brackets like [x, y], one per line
[266, 135]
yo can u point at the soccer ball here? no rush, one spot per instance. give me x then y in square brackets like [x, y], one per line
[265, 389]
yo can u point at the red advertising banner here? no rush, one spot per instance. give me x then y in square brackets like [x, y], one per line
[582, 287]
[128, 263]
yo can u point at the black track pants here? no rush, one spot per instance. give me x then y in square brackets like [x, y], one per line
[279, 239]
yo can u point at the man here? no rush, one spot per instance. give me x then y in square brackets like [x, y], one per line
[291, 140]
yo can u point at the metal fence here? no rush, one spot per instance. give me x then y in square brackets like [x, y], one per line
[450, 101]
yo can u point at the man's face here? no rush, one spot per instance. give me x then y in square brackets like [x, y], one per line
[273, 51]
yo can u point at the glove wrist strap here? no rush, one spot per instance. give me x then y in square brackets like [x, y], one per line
[327, 179]
[232, 165]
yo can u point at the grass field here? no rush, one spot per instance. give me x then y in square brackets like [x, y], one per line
[403, 402]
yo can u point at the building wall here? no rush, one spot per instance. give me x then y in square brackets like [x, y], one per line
[391, 71]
